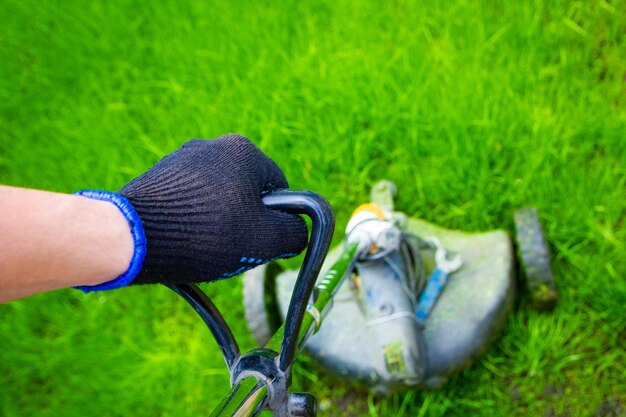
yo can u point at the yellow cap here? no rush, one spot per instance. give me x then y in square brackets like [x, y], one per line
[370, 208]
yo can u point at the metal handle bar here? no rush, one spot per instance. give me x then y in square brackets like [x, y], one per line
[213, 319]
[323, 223]
[322, 228]
[246, 396]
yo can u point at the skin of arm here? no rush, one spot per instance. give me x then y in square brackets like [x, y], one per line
[50, 241]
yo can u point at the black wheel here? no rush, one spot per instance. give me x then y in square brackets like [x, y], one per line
[534, 257]
[261, 303]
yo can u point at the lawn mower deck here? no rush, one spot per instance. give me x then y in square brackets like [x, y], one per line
[371, 336]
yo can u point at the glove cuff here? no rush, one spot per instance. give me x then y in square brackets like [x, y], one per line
[139, 240]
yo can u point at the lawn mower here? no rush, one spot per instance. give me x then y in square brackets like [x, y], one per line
[401, 304]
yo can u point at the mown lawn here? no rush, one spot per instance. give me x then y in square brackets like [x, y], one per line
[472, 108]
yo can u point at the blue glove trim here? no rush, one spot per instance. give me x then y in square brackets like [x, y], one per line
[139, 239]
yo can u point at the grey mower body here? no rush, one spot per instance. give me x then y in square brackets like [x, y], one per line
[371, 336]
[466, 318]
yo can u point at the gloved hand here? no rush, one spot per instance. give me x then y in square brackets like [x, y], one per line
[202, 213]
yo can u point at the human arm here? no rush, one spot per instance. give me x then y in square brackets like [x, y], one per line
[52, 240]
[200, 208]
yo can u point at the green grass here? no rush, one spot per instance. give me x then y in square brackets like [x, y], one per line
[472, 108]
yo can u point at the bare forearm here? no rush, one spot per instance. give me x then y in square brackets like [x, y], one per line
[51, 240]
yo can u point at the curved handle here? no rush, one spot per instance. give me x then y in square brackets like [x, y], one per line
[213, 319]
[323, 225]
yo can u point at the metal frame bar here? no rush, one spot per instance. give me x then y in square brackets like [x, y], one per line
[323, 226]
[246, 397]
[213, 319]
[325, 291]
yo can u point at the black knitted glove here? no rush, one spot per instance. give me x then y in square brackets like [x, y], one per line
[202, 213]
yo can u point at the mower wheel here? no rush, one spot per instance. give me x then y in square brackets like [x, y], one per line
[261, 303]
[534, 257]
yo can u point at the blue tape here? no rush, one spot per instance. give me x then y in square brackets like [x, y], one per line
[139, 239]
[430, 294]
